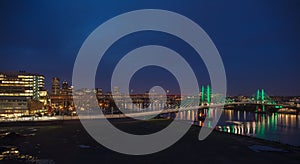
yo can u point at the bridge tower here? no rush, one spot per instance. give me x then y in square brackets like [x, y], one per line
[263, 99]
[205, 95]
[260, 99]
[260, 96]
[202, 95]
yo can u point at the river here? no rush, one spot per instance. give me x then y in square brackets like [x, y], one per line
[283, 128]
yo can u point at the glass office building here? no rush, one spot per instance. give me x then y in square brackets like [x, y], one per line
[18, 90]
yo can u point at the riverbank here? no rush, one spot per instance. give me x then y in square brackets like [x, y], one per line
[68, 142]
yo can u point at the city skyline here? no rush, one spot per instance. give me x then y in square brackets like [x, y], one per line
[142, 81]
[258, 42]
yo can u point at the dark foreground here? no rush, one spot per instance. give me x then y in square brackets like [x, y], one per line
[68, 142]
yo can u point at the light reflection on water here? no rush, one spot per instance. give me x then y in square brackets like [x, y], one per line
[284, 128]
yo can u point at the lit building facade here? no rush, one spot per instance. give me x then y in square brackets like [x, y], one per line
[55, 86]
[61, 97]
[21, 90]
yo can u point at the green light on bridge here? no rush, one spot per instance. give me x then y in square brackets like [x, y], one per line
[208, 94]
[202, 94]
[257, 95]
[262, 95]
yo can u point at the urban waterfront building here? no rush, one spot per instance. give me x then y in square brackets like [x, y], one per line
[61, 97]
[55, 86]
[116, 91]
[21, 93]
[99, 93]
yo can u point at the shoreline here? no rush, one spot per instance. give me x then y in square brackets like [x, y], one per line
[70, 121]
[68, 142]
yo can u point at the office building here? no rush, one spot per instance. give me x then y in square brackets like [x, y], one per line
[61, 97]
[21, 90]
[55, 86]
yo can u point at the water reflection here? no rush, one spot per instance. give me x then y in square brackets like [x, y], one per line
[11, 153]
[284, 128]
[276, 127]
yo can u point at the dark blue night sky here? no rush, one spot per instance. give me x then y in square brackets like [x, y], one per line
[259, 41]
